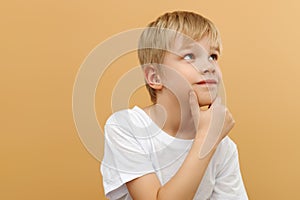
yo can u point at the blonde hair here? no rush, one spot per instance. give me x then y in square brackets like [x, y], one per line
[157, 37]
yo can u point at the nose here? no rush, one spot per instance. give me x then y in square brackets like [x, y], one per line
[208, 68]
[204, 65]
[209, 71]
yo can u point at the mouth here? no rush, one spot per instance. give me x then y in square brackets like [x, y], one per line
[208, 82]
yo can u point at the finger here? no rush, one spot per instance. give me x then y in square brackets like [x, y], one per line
[217, 101]
[195, 110]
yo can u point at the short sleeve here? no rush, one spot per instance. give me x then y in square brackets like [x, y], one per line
[124, 157]
[229, 184]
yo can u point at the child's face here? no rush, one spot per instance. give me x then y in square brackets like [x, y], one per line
[196, 67]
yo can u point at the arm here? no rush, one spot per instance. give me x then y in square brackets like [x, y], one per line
[184, 184]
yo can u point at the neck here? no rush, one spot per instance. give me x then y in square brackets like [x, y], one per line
[173, 117]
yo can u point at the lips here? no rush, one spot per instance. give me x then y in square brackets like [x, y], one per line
[208, 81]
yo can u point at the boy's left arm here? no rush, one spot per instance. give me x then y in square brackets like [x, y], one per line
[229, 183]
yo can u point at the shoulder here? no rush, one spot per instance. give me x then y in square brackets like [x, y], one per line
[133, 123]
[119, 117]
[226, 150]
[134, 116]
[227, 144]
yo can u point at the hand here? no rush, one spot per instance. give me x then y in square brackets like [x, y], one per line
[212, 125]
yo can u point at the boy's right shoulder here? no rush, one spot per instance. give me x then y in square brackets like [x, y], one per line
[133, 121]
[134, 116]
[119, 117]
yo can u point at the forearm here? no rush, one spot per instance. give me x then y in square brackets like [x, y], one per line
[184, 184]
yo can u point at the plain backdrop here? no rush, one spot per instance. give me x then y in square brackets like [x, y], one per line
[43, 44]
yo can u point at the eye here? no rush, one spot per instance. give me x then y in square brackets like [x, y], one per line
[213, 57]
[189, 57]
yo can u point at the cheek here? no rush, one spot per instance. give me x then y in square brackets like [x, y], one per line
[219, 72]
[186, 73]
[189, 73]
[177, 81]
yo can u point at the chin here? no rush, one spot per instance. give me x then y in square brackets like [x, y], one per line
[206, 100]
[206, 97]
[206, 103]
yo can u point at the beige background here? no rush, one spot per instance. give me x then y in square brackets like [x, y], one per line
[43, 44]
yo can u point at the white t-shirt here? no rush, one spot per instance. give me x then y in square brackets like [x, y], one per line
[135, 146]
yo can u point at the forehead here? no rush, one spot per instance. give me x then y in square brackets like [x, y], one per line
[182, 43]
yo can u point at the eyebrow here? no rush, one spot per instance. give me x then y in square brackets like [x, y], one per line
[187, 46]
[215, 49]
[193, 45]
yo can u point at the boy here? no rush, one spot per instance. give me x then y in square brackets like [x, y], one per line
[173, 149]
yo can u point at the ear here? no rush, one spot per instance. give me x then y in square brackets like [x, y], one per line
[152, 77]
